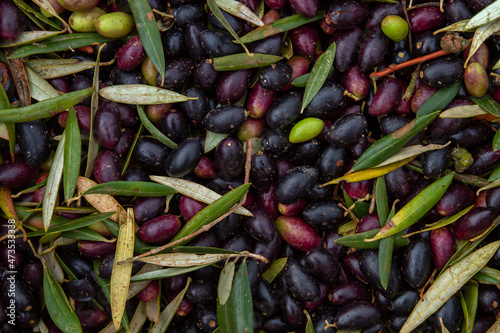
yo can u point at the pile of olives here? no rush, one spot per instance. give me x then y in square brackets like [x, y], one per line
[296, 149]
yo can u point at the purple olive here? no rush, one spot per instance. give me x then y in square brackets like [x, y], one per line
[159, 229]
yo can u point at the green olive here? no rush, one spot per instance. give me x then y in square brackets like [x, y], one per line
[85, 21]
[306, 129]
[395, 27]
[115, 25]
[476, 80]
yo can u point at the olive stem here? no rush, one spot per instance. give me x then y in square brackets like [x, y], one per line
[392, 68]
[413, 83]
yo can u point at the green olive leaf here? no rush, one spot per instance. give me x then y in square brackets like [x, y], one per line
[440, 99]
[416, 208]
[488, 104]
[276, 267]
[318, 76]
[131, 188]
[44, 109]
[132, 147]
[212, 211]
[391, 144]
[9, 127]
[58, 307]
[72, 154]
[385, 249]
[73, 224]
[60, 43]
[482, 33]
[486, 15]
[448, 284]
[148, 32]
[381, 199]
[488, 276]
[212, 140]
[153, 130]
[279, 26]
[40, 89]
[463, 111]
[239, 61]
[186, 259]
[35, 16]
[357, 241]
[236, 315]
[240, 10]
[53, 68]
[85, 233]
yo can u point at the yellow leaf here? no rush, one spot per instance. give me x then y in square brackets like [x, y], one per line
[120, 276]
[482, 33]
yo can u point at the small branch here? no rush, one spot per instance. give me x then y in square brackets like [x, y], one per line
[392, 68]
[413, 82]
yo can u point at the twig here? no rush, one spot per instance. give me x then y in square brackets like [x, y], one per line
[413, 82]
[392, 68]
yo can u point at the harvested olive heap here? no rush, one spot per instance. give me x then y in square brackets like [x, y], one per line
[257, 166]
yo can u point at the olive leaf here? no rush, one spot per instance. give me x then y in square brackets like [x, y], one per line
[496, 65]
[463, 111]
[53, 68]
[153, 130]
[279, 26]
[53, 182]
[131, 188]
[416, 208]
[153, 309]
[35, 15]
[440, 99]
[236, 315]
[73, 224]
[148, 32]
[381, 199]
[195, 191]
[488, 104]
[139, 318]
[72, 154]
[495, 175]
[488, 276]
[131, 150]
[58, 307]
[165, 273]
[168, 314]
[239, 61]
[187, 259]
[139, 246]
[120, 276]
[137, 286]
[28, 37]
[85, 233]
[225, 282]
[482, 33]
[318, 76]
[142, 94]
[369, 173]
[44, 109]
[102, 202]
[276, 267]
[94, 105]
[496, 141]
[357, 241]
[385, 249]
[40, 88]
[443, 222]
[455, 27]
[60, 43]
[390, 144]
[212, 140]
[495, 328]
[484, 16]
[240, 10]
[8, 129]
[448, 284]
[214, 7]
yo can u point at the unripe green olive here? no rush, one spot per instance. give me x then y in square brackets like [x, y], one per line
[149, 71]
[85, 21]
[115, 25]
[476, 79]
[79, 5]
[395, 27]
[306, 129]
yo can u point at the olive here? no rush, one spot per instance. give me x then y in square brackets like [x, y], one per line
[357, 315]
[404, 302]
[450, 314]
[300, 283]
[229, 158]
[10, 21]
[417, 264]
[107, 167]
[442, 72]
[348, 43]
[323, 264]
[276, 76]
[284, 111]
[148, 208]
[261, 226]
[473, 223]
[346, 15]
[372, 51]
[347, 130]
[297, 233]
[114, 25]
[323, 215]
[225, 119]
[159, 229]
[232, 86]
[107, 125]
[426, 18]
[188, 13]
[327, 101]
[184, 158]
[218, 43]
[347, 293]
[304, 40]
[80, 290]
[270, 45]
[34, 151]
[178, 71]
[151, 153]
[295, 184]
[173, 42]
